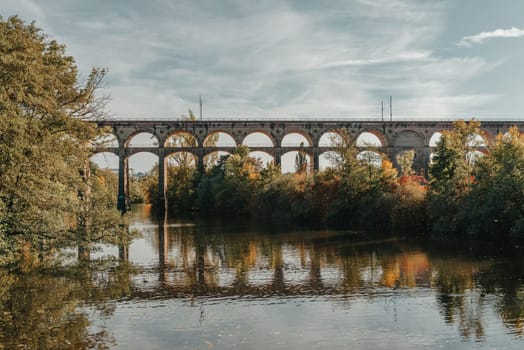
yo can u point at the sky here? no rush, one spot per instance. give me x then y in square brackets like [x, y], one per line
[295, 58]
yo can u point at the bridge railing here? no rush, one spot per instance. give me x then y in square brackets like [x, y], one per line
[315, 118]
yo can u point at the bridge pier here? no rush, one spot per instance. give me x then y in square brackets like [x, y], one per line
[162, 201]
[277, 157]
[123, 204]
[200, 161]
[316, 160]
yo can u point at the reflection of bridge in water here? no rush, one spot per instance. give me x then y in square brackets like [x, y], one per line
[394, 137]
[196, 263]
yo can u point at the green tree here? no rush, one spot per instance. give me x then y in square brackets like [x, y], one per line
[451, 175]
[301, 163]
[229, 187]
[495, 204]
[362, 180]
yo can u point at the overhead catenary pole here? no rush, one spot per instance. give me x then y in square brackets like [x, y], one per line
[382, 103]
[200, 100]
[390, 108]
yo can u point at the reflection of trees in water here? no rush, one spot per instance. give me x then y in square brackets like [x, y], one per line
[459, 299]
[45, 310]
[253, 263]
[308, 263]
[505, 280]
[468, 285]
[50, 310]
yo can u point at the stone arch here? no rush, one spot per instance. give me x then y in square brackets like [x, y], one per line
[478, 140]
[300, 136]
[226, 139]
[141, 161]
[370, 157]
[181, 138]
[139, 138]
[212, 157]
[181, 158]
[288, 161]
[328, 159]
[435, 138]
[369, 139]
[265, 157]
[376, 133]
[106, 140]
[329, 138]
[105, 159]
[253, 134]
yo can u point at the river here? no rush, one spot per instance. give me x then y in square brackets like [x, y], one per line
[204, 285]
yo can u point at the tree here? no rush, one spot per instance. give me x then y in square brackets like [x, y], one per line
[44, 142]
[301, 163]
[495, 204]
[451, 175]
[405, 162]
[229, 187]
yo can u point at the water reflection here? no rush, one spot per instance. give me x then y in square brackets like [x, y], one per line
[213, 261]
[186, 283]
[52, 309]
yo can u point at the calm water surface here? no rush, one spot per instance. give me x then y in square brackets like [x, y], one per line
[198, 285]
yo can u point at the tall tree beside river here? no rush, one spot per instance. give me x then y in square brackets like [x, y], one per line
[495, 204]
[44, 142]
[451, 176]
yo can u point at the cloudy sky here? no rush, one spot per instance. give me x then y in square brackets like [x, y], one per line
[303, 58]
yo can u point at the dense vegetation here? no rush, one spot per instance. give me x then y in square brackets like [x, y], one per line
[49, 195]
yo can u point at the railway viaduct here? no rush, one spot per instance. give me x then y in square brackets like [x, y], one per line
[395, 137]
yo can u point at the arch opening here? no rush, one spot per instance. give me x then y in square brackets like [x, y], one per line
[141, 163]
[141, 167]
[295, 139]
[258, 139]
[330, 139]
[212, 159]
[328, 159]
[265, 158]
[181, 160]
[142, 139]
[219, 139]
[476, 140]
[434, 139]
[368, 139]
[296, 161]
[105, 140]
[106, 160]
[370, 158]
[181, 139]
